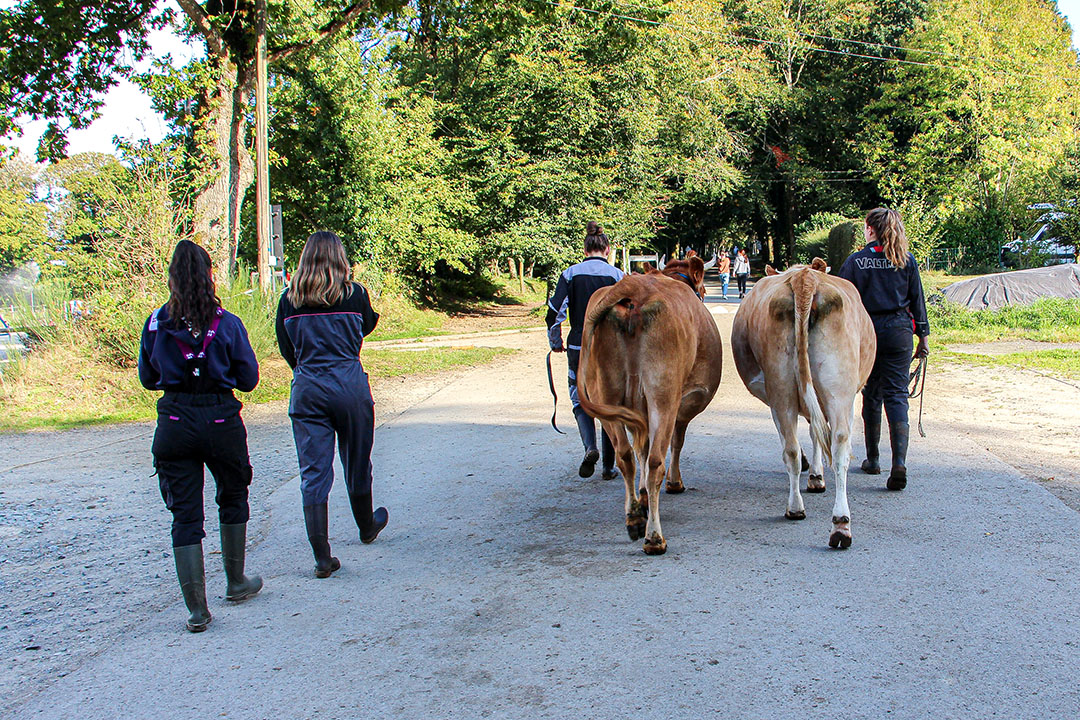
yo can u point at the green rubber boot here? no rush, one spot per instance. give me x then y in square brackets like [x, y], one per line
[192, 576]
[233, 547]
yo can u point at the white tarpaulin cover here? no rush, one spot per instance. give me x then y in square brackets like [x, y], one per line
[1019, 287]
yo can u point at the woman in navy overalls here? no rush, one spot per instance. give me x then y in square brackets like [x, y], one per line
[887, 278]
[198, 354]
[321, 323]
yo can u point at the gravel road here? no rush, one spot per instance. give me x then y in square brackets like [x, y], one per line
[505, 586]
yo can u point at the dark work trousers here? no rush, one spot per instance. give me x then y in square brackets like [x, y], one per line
[328, 401]
[572, 358]
[888, 381]
[195, 431]
[741, 278]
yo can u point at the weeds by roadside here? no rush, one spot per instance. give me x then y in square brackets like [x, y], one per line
[1049, 320]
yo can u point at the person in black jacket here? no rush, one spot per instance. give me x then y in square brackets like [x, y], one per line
[887, 277]
[570, 299]
[198, 354]
[321, 323]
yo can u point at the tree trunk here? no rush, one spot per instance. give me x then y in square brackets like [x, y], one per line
[521, 276]
[510, 264]
[230, 170]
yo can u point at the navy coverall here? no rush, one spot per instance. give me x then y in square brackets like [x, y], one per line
[571, 297]
[894, 299]
[330, 392]
[199, 418]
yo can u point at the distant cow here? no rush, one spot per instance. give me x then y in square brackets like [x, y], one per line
[650, 361]
[804, 345]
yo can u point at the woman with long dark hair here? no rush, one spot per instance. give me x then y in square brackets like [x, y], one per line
[321, 323]
[887, 277]
[197, 353]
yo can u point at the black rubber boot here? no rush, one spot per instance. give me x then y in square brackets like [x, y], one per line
[370, 523]
[872, 433]
[608, 457]
[192, 576]
[587, 429]
[898, 436]
[233, 548]
[315, 517]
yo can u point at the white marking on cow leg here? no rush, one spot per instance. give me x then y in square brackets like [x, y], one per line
[815, 481]
[841, 453]
[792, 462]
[659, 441]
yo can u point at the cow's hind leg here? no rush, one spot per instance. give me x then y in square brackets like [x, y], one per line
[815, 481]
[786, 422]
[840, 537]
[624, 458]
[659, 442]
[674, 476]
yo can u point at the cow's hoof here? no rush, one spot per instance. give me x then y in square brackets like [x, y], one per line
[673, 488]
[635, 528]
[815, 484]
[655, 546]
[840, 539]
[795, 515]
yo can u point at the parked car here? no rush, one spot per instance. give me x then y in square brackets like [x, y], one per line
[12, 344]
[1044, 244]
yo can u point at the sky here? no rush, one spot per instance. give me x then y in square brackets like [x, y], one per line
[127, 112]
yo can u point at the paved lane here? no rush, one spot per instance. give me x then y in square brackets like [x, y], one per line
[506, 587]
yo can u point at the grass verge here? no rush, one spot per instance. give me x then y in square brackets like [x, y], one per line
[1057, 362]
[59, 387]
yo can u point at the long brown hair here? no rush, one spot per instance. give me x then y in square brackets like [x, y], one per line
[323, 277]
[889, 228]
[192, 297]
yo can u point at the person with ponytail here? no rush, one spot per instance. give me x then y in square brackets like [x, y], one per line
[321, 323]
[570, 299]
[887, 277]
[197, 354]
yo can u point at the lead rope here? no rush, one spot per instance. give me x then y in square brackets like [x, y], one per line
[554, 397]
[917, 383]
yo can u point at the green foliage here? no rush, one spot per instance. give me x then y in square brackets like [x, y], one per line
[1046, 320]
[60, 57]
[977, 138]
[22, 216]
[842, 241]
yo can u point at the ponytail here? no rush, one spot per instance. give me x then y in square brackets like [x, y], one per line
[889, 228]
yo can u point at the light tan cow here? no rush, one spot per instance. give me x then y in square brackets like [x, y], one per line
[804, 345]
[650, 362]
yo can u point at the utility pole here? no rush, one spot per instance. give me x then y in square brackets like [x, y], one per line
[262, 167]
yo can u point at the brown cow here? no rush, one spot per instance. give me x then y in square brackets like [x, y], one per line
[650, 361]
[804, 345]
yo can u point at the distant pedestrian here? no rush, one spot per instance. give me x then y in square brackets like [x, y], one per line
[570, 299]
[321, 323]
[742, 271]
[198, 354]
[724, 268]
[887, 277]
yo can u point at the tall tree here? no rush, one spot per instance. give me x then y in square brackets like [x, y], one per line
[60, 57]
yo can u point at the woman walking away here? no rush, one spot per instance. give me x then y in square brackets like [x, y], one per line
[887, 278]
[321, 323]
[742, 271]
[198, 354]
[724, 268]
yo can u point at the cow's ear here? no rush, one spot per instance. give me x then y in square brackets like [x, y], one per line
[690, 254]
[819, 265]
[697, 269]
[770, 270]
[647, 268]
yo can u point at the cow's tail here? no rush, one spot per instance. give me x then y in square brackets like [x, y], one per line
[625, 315]
[804, 286]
